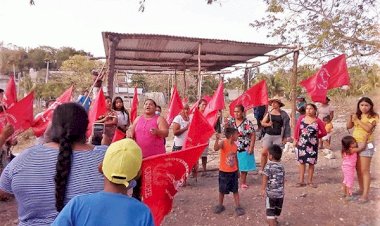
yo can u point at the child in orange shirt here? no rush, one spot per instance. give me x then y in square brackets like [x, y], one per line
[329, 129]
[228, 169]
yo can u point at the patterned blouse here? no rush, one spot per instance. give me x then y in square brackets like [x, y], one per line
[245, 131]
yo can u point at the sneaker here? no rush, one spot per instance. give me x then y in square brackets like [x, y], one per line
[218, 209]
[239, 211]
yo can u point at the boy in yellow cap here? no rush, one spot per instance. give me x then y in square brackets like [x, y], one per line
[112, 206]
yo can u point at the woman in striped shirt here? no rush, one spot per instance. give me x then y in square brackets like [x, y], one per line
[43, 178]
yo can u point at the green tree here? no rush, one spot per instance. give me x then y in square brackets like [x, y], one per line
[324, 28]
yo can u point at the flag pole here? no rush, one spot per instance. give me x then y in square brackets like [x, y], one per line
[93, 84]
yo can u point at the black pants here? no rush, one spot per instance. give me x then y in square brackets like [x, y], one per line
[137, 189]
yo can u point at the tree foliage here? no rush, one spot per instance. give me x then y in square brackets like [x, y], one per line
[324, 27]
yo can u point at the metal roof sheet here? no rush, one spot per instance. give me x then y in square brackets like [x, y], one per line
[145, 52]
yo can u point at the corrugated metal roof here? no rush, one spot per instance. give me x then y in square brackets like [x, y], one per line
[145, 52]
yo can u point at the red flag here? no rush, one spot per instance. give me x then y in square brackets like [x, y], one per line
[41, 122]
[185, 101]
[162, 177]
[119, 135]
[331, 75]
[257, 95]
[20, 115]
[135, 105]
[98, 108]
[195, 105]
[199, 131]
[215, 104]
[175, 106]
[10, 96]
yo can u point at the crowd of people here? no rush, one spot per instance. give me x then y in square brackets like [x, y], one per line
[68, 181]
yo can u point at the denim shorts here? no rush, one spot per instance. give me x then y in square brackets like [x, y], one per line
[369, 151]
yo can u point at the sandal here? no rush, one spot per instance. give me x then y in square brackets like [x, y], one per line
[244, 186]
[239, 211]
[299, 185]
[218, 209]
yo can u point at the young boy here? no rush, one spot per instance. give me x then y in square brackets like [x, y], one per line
[273, 184]
[329, 129]
[228, 169]
[113, 206]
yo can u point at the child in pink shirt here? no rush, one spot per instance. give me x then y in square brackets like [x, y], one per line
[349, 155]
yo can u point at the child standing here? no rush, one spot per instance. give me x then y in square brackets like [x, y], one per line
[120, 167]
[329, 129]
[349, 155]
[273, 184]
[228, 169]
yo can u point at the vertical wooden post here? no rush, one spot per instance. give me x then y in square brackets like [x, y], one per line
[175, 78]
[112, 42]
[294, 88]
[246, 78]
[184, 83]
[199, 94]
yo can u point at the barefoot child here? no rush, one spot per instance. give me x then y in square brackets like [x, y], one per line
[228, 169]
[273, 185]
[349, 155]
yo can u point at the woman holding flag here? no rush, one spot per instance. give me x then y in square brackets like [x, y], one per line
[246, 143]
[149, 131]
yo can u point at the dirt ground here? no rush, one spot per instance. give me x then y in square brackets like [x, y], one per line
[302, 206]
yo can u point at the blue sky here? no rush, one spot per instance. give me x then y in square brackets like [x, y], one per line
[79, 23]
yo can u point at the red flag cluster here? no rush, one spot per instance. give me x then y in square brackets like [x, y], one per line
[162, 177]
[41, 123]
[257, 95]
[331, 75]
[20, 114]
[199, 131]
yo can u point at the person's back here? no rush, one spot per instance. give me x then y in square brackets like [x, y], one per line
[120, 167]
[105, 208]
[33, 186]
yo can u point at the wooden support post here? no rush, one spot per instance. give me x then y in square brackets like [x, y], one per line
[175, 78]
[184, 83]
[112, 42]
[294, 88]
[199, 80]
[246, 78]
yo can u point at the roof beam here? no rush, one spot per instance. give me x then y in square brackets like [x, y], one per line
[187, 52]
[178, 60]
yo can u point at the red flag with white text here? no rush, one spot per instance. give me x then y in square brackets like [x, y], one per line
[333, 74]
[98, 108]
[175, 106]
[162, 177]
[199, 131]
[135, 105]
[20, 115]
[10, 96]
[255, 96]
[41, 122]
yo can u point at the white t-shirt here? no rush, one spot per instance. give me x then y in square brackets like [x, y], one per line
[122, 119]
[179, 140]
[324, 110]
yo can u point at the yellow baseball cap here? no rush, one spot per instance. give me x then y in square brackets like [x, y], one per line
[122, 161]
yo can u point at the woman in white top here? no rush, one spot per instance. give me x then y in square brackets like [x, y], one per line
[123, 121]
[180, 126]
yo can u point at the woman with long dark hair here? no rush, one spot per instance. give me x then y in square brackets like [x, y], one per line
[110, 121]
[364, 122]
[123, 121]
[308, 130]
[43, 178]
